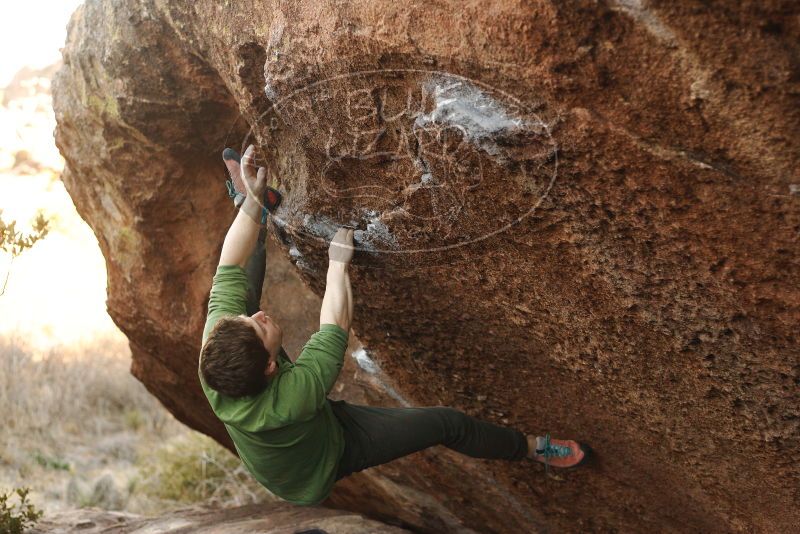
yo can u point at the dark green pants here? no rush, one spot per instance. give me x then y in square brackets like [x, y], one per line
[375, 435]
[256, 269]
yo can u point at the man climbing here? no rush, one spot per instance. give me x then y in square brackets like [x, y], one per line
[293, 439]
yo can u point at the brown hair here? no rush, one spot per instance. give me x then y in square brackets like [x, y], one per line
[234, 358]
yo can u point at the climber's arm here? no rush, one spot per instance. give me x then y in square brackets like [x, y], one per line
[239, 241]
[337, 304]
[243, 233]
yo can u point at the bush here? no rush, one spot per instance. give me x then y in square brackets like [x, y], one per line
[15, 243]
[15, 522]
[194, 468]
[50, 462]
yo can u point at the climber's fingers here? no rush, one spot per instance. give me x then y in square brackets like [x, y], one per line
[249, 167]
[254, 177]
[341, 246]
[261, 179]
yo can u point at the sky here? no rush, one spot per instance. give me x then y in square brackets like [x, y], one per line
[56, 291]
[31, 33]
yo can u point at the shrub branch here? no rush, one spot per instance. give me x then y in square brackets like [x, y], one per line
[15, 243]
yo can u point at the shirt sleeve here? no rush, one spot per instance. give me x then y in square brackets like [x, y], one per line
[304, 388]
[228, 295]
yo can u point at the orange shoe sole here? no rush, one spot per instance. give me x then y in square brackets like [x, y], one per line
[580, 454]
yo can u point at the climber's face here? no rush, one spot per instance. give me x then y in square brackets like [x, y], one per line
[271, 336]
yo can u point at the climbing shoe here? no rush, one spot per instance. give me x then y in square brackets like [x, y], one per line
[237, 190]
[560, 453]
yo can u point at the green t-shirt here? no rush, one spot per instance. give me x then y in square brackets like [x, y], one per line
[287, 436]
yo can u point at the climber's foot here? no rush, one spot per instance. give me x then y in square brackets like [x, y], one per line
[236, 186]
[557, 452]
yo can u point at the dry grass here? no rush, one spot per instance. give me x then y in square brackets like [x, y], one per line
[81, 431]
[80, 392]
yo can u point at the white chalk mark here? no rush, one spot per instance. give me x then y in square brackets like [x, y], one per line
[477, 115]
[640, 12]
[364, 361]
[376, 235]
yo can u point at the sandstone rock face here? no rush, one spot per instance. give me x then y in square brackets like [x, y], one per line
[250, 519]
[580, 218]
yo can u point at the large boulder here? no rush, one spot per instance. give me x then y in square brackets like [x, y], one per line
[580, 218]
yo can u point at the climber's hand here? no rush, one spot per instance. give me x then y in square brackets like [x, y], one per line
[254, 177]
[341, 247]
[255, 182]
[245, 177]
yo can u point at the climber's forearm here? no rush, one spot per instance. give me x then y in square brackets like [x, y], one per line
[349, 291]
[239, 241]
[337, 304]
